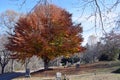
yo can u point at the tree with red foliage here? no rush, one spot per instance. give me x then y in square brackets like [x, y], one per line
[47, 32]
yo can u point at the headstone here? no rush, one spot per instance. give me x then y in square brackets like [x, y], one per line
[58, 76]
[68, 64]
[27, 73]
[60, 64]
[77, 66]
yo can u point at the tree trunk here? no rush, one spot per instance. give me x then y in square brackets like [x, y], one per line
[2, 71]
[26, 63]
[46, 63]
[12, 65]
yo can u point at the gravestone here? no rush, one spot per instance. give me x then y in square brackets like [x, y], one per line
[77, 66]
[58, 76]
[68, 64]
[27, 73]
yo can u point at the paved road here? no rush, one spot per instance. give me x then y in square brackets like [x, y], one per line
[10, 76]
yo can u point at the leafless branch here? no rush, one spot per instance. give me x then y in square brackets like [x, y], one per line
[114, 5]
[100, 15]
[24, 1]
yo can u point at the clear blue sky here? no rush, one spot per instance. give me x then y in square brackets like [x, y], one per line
[73, 6]
[15, 4]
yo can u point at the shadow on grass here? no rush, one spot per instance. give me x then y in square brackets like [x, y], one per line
[116, 71]
[10, 76]
[42, 70]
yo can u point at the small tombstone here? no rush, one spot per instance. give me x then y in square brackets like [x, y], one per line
[68, 64]
[58, 76]
[27, 73]
[60, 64]
[77, 66]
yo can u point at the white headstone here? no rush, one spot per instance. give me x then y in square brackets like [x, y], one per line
[58, 76]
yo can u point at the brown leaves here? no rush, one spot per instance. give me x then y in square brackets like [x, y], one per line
[47, 32]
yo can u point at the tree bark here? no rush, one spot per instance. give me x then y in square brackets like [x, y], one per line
[46, 63]
[2, 71]
[26, 63]
[12, 65]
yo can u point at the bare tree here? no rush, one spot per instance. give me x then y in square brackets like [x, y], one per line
[8, 20]
[91, 54]
[111, 46]
[117, 26]
[4, 54]
[99, 10]
[4, 59]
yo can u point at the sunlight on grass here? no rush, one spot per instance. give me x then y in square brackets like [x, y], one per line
[90, 76]
[108, 76]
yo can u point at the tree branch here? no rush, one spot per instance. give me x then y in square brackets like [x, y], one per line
[100, 15]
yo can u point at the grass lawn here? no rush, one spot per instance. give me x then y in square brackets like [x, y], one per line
[88, 76]
[101, 76]
[96, 71]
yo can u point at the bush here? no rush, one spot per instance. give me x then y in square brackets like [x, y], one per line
[104, 57]
[117, 71]
[76, 59]
[71, 60]
[64, 61]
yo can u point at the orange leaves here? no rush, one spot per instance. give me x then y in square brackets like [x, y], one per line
[47, 32]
